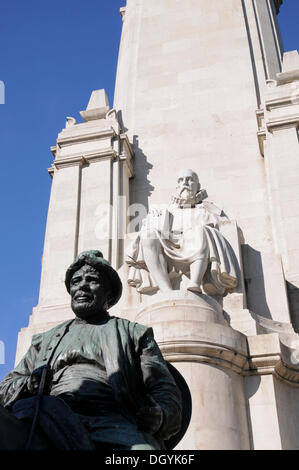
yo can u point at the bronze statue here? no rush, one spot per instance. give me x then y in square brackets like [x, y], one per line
[94, 382]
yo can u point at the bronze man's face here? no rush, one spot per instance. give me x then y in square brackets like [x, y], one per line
[88, 293]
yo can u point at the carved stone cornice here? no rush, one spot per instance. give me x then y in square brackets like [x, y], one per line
[268, 325]
[122, 11]
[288, 374]
[53, 150]
[280, 110]
[208, 353]
[67, 162]
[261, 133]
[104, 154]
[284, 78]
[280, 361]
[274, 354]
[261, 138]
[282, 122]
[262, 364]
[51, 171]
[85, 158]
[193, 329]
[85, 137]
[127, 162]
[126, 143]
[187, 332]
[280, 102]
[127, 153]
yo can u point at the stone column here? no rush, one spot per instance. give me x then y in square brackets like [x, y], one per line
[62, 230]
[89, 197]
[193, 334]
[279, 124]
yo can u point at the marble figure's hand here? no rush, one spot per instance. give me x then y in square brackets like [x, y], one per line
[149, 418]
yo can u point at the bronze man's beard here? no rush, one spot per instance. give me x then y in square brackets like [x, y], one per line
[88, 309]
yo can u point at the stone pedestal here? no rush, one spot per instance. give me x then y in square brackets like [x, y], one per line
[195, 337]
[180, 305]
[88, 206]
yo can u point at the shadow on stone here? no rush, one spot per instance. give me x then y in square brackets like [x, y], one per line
[293, 297]
[252, 386]
[141, 169]
[254, 282]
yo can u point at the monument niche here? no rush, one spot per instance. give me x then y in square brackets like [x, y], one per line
[93, 382]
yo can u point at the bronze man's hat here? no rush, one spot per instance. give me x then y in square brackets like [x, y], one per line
[95, 259]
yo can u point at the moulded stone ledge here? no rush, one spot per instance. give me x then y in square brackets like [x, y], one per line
[200, 351]
[288, 374]
[80, 159]
[283, 122]
[196, 340]
[284, 78]
[180, 305]
[274, 354]
[85, 136]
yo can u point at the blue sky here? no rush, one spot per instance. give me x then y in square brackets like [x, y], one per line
[52, 55]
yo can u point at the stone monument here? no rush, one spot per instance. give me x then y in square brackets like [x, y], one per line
[205, 86]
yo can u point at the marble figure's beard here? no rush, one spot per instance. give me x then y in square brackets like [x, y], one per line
[185, 197]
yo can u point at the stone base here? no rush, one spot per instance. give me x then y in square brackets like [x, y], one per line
[180, 305]
[194, 336]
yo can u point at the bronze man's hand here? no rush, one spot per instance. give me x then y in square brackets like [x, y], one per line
[150, 418]
[35, 379]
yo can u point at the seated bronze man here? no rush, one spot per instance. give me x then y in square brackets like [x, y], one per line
[93, 382]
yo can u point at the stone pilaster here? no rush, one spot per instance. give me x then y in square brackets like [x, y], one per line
[279, 123]
[88, 205]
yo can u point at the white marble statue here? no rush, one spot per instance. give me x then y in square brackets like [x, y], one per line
[181, 247]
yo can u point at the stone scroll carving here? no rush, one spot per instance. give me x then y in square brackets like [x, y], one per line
[181, 247]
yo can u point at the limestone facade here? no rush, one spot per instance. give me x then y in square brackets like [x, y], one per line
[90, 172]
[207, 86]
